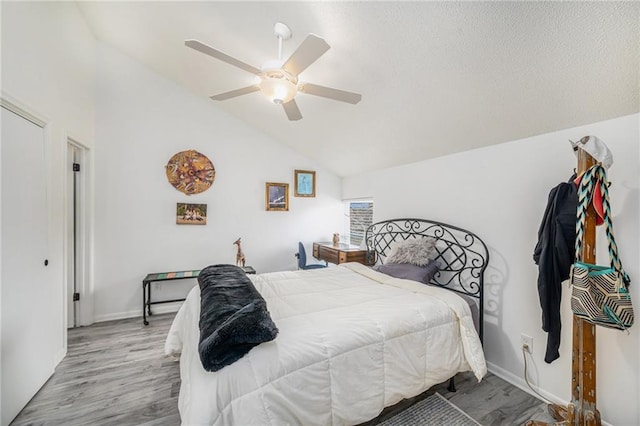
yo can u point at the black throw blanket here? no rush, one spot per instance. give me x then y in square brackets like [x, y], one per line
[233, 316]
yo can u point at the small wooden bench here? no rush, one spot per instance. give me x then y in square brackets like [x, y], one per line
[168, 276]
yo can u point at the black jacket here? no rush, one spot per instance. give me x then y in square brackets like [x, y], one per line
[554, 254]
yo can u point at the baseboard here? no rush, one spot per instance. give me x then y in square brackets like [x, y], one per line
[519, 382]
[163, 309]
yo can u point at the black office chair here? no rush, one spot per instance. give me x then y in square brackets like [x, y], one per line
[302, 259]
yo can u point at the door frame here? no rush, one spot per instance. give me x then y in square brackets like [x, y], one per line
[83, 238]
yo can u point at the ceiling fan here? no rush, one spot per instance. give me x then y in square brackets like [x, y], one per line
[279, 79]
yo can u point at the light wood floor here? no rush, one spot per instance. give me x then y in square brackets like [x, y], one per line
[115, 373]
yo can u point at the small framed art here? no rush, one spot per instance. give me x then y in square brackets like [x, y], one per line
[277, 196]
[305, 183]
[191, 214]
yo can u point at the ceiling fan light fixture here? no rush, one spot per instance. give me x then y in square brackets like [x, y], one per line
[278, 87]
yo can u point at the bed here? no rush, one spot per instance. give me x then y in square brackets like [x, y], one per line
[351, 340]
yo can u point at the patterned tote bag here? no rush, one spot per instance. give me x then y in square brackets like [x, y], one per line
[599, 294]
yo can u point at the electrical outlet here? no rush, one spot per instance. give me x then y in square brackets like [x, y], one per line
[527, 342]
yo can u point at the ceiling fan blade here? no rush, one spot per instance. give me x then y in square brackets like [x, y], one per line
[292, 110]
[328, 92]
[307, 53]
[208, 50]
[232, 94]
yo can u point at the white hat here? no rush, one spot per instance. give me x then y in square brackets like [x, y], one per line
[596, 148]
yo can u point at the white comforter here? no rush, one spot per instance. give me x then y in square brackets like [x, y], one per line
[352, 341]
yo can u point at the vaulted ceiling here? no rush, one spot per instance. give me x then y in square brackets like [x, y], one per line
[435, 77]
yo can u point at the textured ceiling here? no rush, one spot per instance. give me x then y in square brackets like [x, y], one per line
[435, 77]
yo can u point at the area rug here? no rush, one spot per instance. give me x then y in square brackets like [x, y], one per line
[434, 410]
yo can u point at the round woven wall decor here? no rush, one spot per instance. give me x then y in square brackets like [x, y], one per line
[190, 172]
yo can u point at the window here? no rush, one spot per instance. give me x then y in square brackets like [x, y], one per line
[359, 215]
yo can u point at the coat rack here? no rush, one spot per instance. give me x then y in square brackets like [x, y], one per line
[581, 411]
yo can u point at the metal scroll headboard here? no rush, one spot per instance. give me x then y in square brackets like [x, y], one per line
[462, 255]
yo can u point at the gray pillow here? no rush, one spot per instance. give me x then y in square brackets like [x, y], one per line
[422, 274]
[416, 251]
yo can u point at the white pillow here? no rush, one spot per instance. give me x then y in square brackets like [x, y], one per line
[416, 251]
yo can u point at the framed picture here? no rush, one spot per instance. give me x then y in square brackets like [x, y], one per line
[277, 196]
[191, 214]
[305, 183]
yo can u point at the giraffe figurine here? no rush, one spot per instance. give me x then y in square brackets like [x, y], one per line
[240, 254]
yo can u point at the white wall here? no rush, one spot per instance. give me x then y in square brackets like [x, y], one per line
[142, 120]
[500, 193]
[48, 65]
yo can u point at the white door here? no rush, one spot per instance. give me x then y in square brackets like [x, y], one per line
[27, 361]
